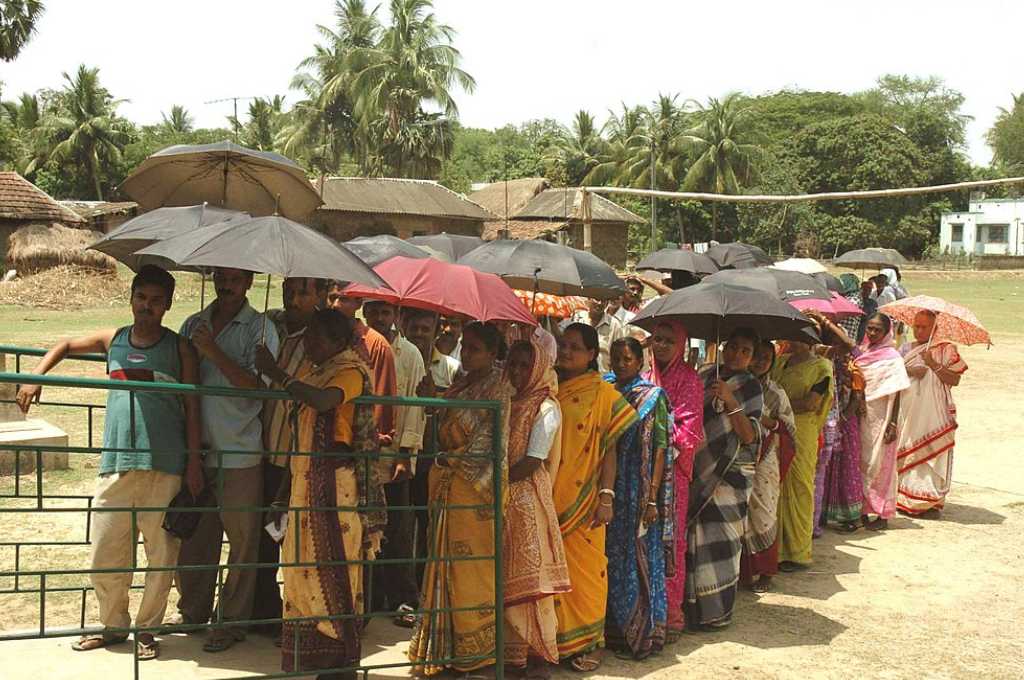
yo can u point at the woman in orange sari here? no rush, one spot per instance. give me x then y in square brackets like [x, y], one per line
[464, 476]
[535, 568]
[594, 416]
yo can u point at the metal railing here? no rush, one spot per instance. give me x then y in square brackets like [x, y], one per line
[21, 501]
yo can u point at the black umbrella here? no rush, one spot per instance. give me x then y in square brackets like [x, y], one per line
[829, 281]
[157, 225]
[870, 258]
[783, 284]
[678, 260]
[738, 256]
[547, 268]
[712, 310]
[376, 249]
[226, 175]
[453, 246]
[267, 245]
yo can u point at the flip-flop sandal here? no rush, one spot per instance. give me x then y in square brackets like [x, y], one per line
[405, 617]
[85, 643]
[148, 650]
[219, 643]
[847, 528]
[761, 588]
[585, 664]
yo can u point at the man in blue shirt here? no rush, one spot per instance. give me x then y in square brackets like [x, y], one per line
[226, 335]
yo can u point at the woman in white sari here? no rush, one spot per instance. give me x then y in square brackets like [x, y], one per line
[884, 379]
[927, 419]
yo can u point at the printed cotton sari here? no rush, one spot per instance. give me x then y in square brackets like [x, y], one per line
[465, 476]
[796, 501]
[843, 488]
[326, 538]
[637, 603]
[594, 416]
[927, 431]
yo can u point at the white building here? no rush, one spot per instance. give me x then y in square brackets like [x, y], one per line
[991, 226]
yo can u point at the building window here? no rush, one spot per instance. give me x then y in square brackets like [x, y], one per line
[997, 233]
[957, 232]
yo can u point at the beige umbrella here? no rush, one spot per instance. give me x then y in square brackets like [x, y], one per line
[226, 175]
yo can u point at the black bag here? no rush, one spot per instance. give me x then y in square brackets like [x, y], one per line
[183, 524]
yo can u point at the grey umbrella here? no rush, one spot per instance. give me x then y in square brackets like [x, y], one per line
[678, 260]
[376, 249]
[784, 284]
[870, 258]
[267, 245]
[713, 309]
[124, 242]
[738, 256]
[547, 268]
[226, 175]
[453, 246]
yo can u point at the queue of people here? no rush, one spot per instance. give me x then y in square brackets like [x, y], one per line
[639, 490]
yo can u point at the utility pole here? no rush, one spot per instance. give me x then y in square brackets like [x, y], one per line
[234, 101]
[654, 204]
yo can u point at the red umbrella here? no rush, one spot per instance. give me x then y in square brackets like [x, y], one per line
[838, 307]
[445, 288]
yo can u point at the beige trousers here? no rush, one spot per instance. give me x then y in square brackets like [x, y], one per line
[242, 487]
[113, 543]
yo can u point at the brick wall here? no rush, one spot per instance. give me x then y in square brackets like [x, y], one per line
[343, 226]
[607, 240]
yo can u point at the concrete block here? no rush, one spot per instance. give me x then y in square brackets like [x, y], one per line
[31, 432]
[8, 412]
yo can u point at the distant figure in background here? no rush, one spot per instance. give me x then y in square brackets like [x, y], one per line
[166, 431]
[885, 293]
[927, 419]
[449, 339]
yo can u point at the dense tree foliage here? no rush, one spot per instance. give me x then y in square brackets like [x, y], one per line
[17, 25]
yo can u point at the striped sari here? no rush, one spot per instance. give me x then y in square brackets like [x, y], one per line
[594, 416]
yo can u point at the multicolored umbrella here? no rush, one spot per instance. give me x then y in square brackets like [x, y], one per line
[953, 323]
[556, 306]
[445, 288]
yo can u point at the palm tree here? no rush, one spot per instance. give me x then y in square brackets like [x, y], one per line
[178, 122]
[264, 124]
[581, 148]
[83, 127]
[725, 144]
[17, 24]
[25, 117]
[411, 71]
[322, 126]
[1004, 135]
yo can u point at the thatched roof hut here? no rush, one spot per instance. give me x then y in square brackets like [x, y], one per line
[36, 247]
[23, 203]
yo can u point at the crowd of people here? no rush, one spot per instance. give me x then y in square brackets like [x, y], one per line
[644, 478]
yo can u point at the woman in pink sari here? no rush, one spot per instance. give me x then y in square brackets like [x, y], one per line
[885, 377]
[685, 391]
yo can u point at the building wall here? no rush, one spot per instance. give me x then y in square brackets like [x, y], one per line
[608, 241]
[344, 226]
[990, 227]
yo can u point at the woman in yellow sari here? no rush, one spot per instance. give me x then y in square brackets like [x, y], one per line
[807, 381]
[463, 475]
[330, 427]
[594, 416]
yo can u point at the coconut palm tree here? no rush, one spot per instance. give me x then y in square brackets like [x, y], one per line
[266, 118]
[17, 24]
[726, 147]
[82, 127]
[408, 77]
[178, 122]
[322, 126]
[24, 115]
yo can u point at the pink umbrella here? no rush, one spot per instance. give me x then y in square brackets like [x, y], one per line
[838, 307]
[953, 323]
[445, 288]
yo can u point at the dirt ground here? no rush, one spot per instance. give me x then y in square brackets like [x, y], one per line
[926, 599]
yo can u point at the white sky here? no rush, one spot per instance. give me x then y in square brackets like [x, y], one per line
[542, 59]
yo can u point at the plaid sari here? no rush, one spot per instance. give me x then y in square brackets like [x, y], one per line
[723, 468]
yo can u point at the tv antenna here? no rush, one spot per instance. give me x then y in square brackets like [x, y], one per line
[234, 101]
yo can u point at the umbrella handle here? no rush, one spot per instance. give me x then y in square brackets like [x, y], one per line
[536, 286]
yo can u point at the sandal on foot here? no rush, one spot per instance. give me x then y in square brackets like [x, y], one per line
[847, 527]
[761, 587]
[148, 649]
[585, 663]
[789, 567]
[87, 643]
[404, 617]
[219, 643]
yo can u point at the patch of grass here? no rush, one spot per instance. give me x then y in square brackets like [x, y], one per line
[996, 298]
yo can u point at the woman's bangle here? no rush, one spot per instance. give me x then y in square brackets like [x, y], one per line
[606, 492]
[735, 411]
[607, 505]
[652, 504]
